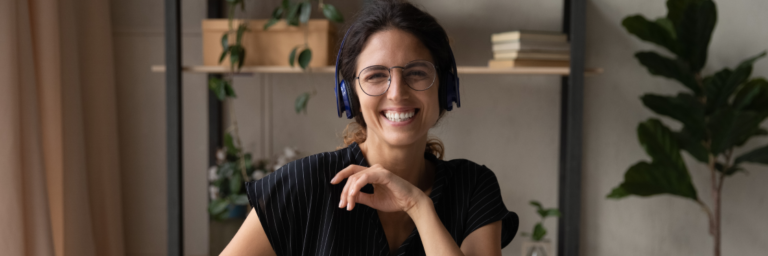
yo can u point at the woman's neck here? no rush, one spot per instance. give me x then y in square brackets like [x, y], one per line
[405, 161]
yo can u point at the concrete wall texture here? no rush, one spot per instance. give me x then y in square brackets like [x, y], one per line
[503, 118]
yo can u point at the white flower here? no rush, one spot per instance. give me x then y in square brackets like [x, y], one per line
[213, 191]
[212, 173]
[258, 174]
[289, 152]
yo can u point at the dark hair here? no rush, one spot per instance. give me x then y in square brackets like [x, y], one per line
[382, 15]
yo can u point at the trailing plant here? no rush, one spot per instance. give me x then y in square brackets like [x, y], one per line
[233, 169]
[538, 230]
[718, 112]
[295, 14]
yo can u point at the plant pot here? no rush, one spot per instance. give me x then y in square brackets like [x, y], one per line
[273, 46]
[237, 211]
[537, 248]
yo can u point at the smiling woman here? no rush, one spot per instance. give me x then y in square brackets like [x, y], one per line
[399, 80]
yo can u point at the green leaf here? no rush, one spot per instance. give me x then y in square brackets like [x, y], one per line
[725, 82]
[669, 26]
[234, 55]
[304, 58]
[292, 17]
[217, 206]
[332, 14]
[270, 22]
[694, 31]
[248, 158]
[240, 31]
[758, 155]
[229, 91]
[684, 108]
[225, 42]
[292, 56]
[752, 96]
[729, 127]
[618, 193]
[674, 69]
[729, 171]
[285, 4]
[223, 55]
[552, 212]
[306, 10]
[277, 13]
[693, 146]
[650, 31]
[675, 9]
[229, 142]
[301, 102]
[660, 143]
[648, 179]
[538, 232]
[236, 181]
[537, 205]
[242, 58]
[241, 199]
[216, 85]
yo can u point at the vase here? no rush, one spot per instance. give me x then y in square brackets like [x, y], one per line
[537, 248]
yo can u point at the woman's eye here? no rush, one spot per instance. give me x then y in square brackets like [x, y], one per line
[375, 77]
[416, 73]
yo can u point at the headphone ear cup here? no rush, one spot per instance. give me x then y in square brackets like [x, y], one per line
[346, 99]
[452, 92]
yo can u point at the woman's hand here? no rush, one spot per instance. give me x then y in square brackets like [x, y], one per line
[391, 193]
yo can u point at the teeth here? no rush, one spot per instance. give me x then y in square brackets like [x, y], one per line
[399, 117]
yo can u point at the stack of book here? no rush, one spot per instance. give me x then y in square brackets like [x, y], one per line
[529, 49]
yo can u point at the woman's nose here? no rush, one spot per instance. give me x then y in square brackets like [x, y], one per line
[398, 89]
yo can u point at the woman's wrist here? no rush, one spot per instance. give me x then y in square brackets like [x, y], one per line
[422, 207]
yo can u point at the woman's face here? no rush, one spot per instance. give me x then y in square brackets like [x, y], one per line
[394, 47]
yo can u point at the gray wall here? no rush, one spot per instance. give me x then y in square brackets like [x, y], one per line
[509, 123]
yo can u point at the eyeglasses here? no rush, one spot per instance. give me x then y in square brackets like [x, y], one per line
[375, 80]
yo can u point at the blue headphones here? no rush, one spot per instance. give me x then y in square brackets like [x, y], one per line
[344, 103]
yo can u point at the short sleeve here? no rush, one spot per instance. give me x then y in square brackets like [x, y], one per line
[276, 200]
[486, 206]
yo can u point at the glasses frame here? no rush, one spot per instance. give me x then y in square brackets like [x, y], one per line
[389, 80]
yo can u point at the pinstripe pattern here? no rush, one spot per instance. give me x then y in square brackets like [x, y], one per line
[297, 207]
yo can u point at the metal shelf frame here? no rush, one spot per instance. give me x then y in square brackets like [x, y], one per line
[571, 124]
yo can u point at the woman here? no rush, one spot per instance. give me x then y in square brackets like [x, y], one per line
[388, 192]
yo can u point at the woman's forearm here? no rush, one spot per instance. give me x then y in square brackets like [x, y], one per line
[434, 236]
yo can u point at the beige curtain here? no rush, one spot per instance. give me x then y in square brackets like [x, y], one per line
[59, 166]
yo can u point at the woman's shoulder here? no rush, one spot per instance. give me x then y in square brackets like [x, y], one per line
[464, 167]
[319, 166]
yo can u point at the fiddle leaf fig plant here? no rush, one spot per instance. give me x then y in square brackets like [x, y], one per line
[718, 112]
[295, 14]
[538, 230]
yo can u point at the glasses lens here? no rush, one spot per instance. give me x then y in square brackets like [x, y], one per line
[374, 80]
[420, 75]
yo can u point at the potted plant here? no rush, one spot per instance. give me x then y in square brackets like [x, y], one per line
[538, 245]
[718, 112]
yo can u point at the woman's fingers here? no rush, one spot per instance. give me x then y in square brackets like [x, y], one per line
[355, 189]
[346, 172]
[344, 200]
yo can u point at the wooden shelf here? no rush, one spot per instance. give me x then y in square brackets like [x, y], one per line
[330, 69]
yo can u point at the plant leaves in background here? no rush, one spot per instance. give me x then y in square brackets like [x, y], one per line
[304, 58]
[217, 206]
[236, 181]
[332, 14]
[650, 31]
[552, 212]
[694, 31]
[306, 10]
[292, 17]
[241, 199]
[729, 127]
[660, 143]
[240, 31]
[225, 42]
[647, 179]
[725, 82]
[684, 108]
[229, 91]
[242, 58]
[668, 26]
[270, 22]
[752, 96]
[674, 69]
[758, 155]
[229, 142]
[538, 232]
[693, 146]
[675, 9]
[301, 102]
[292, 56]
[216, 85]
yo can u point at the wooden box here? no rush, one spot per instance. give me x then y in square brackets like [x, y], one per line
[273, 46]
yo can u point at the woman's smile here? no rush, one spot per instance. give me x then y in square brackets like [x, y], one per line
[400, 117]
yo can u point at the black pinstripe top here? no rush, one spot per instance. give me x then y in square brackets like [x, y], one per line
[297, 206]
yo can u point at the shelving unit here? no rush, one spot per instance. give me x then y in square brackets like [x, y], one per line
[572, 88]
[330, 69]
